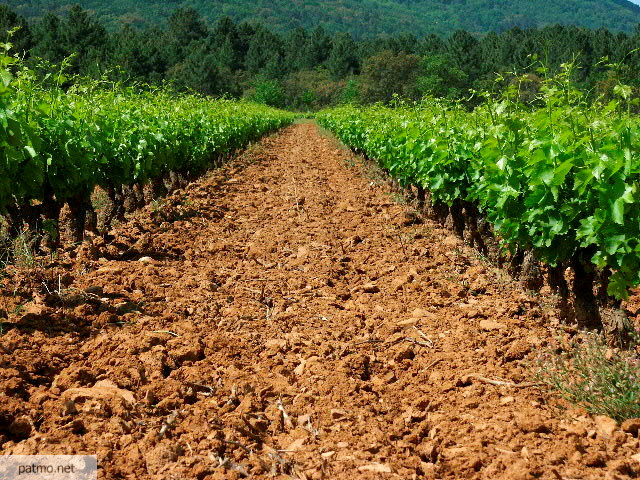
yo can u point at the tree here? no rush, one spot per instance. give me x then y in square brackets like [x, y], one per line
[387, 73]
[185, 27]
[86, 37]
[198, 72]
[441, 77]
[295, 50]
[432, 43]
[127, 48]
[342, 60]
[465, 50]
[265, 54]
[317, 48]
[48, 39]
[312, 89]
[267, 91]
[226, 43]
[21, 38]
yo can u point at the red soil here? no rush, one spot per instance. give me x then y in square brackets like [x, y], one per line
[282, 318]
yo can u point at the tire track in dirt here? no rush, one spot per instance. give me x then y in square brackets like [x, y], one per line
[292, 323]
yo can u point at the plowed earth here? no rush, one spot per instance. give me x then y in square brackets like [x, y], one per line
[283, 317]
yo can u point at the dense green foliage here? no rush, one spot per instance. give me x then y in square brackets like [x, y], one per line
[57, 143]
[309, 69]
[363, 18]
[560, 178]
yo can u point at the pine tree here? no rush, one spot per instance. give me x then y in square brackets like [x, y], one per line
[342, 60]
[21, 39]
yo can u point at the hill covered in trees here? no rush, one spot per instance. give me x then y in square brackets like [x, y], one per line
[309, 69]
[361, 18]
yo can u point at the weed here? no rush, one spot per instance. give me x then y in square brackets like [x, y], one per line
[22, 251]
[157, 205]
[604, 381]
[350, 162]
[398, 198]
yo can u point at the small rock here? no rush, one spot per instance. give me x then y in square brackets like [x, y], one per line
[454, 452]
[605, 426]
[259, 424]
[375, 467]
[532, 424]
[389, 377]
[594, 460]
[450, 241]
[405, 353]
[95, 290]
[491, 325]
[274, 346]
[517, 351]
[428, 451]
[576, 429]
[421, 313]
[162, 455]
[631, 426]
[370, 288]
[398, 282]
[338, 414]
[145, 260]
[21, 427]
[299, 370]
[296, 444]
[342, 444]
[69, 408]
[127, 307]
[412, 415]
[304, 420]
[120, 425]
[507, 400]
[410, 322]
[103, 390]
[191, 352]
[328, 454]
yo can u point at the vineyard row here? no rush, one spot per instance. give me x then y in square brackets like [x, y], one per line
[558, 180]
[57, 146]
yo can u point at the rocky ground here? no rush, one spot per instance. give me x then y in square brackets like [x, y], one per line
[283, 317]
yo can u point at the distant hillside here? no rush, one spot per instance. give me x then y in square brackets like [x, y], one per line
[362, 18]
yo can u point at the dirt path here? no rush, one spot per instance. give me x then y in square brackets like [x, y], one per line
[291, 323]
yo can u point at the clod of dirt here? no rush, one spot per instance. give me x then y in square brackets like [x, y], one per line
[370, 288]
[409, 322]
[162, 456]
[405, 353]
[491, 325]
[103, 391]
[21, 427]
[375, 467]
[605, 426]
[338, 414]
[532, 424]
[517, 350]
[631, 425]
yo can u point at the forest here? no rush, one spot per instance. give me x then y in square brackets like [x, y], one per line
[362, 18]
[311, 69]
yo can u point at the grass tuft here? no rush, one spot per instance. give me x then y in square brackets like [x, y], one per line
[589, 374]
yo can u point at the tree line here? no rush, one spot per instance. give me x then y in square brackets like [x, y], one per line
[308, 69]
